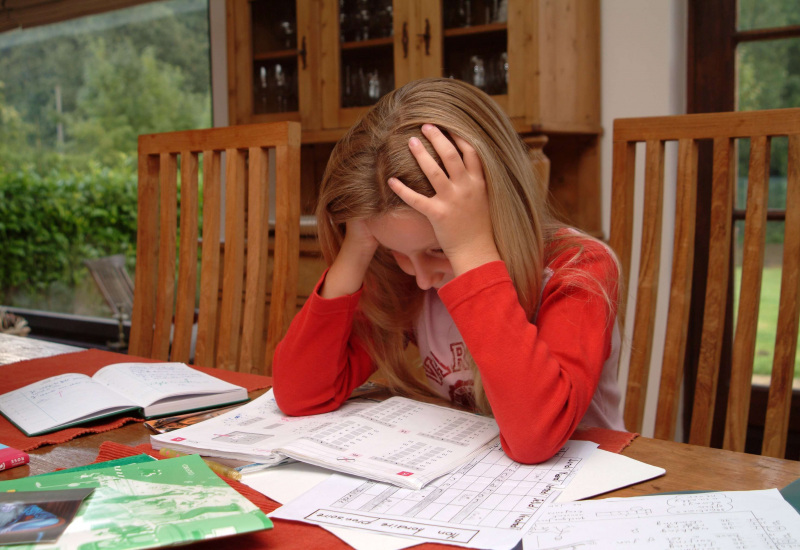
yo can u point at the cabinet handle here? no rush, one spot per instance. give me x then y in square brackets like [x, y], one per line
[427, 36]
[405, 39]
[302, 52]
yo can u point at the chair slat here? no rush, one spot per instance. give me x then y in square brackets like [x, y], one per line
[776, 426]
[252, 355]
[287, 245]
[680, 291]
[621, 237]
[716, 296]
[205, 349]
[749, 296]
[647, 288]
[233, 268]
[187, 261]
[146, 277]
[168, 172]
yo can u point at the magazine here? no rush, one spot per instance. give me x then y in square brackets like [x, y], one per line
[147, 504]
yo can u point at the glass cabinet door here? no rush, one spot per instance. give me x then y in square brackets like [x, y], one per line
[275, 56]
[359, 54]
[475, 43]
[366, 41]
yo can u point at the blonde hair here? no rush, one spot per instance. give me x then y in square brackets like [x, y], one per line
[354, 187]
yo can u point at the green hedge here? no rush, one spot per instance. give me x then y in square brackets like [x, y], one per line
[50, 223]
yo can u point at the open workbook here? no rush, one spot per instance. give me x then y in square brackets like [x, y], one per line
[399, 441]
[149, 389]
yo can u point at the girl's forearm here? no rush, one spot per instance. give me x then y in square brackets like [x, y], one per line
[346, 274]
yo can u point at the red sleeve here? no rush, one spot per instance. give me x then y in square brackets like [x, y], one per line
[539, 377]
[319, 362]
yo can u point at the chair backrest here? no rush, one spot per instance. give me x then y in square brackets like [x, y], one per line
[115, 284]
[721, 129]
[231, 332]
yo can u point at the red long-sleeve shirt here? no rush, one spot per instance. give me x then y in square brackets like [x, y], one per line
[539, 377]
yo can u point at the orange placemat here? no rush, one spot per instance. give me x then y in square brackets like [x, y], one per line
[609, 440]
[17, 375]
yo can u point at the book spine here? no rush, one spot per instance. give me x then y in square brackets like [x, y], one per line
[11, 457]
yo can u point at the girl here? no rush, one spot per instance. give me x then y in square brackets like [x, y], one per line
[437, 232]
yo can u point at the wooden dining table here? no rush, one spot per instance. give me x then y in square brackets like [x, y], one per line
[688, 467]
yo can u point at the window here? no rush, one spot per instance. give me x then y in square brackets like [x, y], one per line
[74, 96]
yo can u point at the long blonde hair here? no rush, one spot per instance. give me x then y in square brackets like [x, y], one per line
[354, 187]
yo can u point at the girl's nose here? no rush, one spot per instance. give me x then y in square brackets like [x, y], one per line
[426, 276]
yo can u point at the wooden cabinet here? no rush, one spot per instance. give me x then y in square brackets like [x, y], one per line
[311, 61]
[324, 62]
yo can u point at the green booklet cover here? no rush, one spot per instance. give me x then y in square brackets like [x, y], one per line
[147, 505]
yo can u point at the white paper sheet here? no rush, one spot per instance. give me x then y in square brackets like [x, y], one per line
[485, 504]
[287, 482]
[749, 520]
[605, 472]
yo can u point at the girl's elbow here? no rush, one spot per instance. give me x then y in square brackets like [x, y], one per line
[534, 446]
[531, 454]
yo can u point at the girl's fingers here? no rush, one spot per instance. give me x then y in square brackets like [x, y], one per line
[409, 196]
[447, 151]
[429, 167]
[471, 160]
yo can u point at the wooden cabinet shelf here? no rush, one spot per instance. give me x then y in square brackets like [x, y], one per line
[280, 54]
[366, 44]
[476, 29]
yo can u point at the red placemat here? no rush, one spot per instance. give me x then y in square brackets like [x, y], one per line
[609, 440]
[17, 375]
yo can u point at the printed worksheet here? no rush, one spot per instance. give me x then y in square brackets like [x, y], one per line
[253, 431]
[487, 503]
[738, 520]
[399, 441]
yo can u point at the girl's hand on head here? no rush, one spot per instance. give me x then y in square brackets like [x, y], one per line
[346, 274]
[359, 239]
[459, 212]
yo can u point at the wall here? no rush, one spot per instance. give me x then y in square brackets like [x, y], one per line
[643, 74]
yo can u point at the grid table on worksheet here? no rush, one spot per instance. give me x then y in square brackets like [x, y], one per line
[491, 492]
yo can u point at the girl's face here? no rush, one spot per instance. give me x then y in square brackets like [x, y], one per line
[409, 236]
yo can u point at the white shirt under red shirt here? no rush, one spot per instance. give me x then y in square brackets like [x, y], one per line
[443, 354]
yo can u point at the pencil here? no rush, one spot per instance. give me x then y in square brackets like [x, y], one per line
[215, 467]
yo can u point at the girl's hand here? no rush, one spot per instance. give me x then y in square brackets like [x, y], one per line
[346, 274]
[459, 212]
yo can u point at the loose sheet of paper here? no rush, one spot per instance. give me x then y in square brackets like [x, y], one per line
[749, 520]
[286, 482]
[487, 503]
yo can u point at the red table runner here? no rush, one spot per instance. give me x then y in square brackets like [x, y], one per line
[17, 375]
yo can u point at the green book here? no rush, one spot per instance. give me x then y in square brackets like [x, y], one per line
[147, 505]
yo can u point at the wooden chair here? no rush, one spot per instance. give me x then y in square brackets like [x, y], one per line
[231, 332]
[687, 130]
